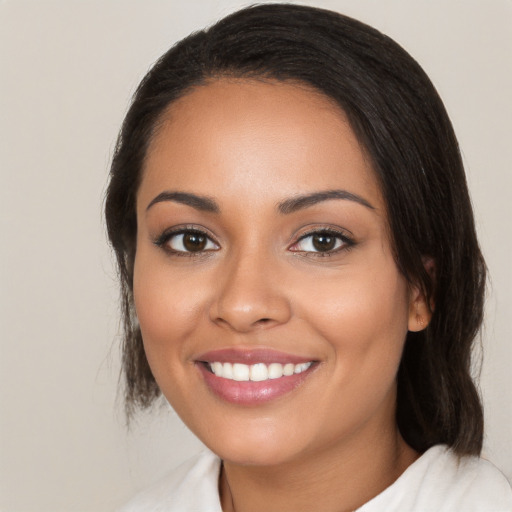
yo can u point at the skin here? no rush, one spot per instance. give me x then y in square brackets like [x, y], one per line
[332, 443]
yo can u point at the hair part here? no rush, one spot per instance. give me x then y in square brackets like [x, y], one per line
[404, 130]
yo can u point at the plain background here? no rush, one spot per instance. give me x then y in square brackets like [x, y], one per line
[67, 71]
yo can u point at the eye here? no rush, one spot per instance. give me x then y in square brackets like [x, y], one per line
[186, 241]
[323, 241]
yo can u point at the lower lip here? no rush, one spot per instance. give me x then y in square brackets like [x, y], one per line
[249, 392]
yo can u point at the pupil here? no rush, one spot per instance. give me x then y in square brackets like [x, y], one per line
[194, 242]
[324, 242]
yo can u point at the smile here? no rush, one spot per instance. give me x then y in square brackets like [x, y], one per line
[258, 372]
[252, 377]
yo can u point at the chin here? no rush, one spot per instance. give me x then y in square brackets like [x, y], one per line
[255, 455]
[257, 446]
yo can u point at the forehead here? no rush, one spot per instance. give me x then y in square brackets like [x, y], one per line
[269, 139]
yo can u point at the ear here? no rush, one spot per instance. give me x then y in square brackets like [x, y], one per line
[420, 312]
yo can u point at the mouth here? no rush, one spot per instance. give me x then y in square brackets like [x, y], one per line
[258, 372]
[253, 377]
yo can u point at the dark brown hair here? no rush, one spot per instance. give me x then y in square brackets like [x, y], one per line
[401, 122]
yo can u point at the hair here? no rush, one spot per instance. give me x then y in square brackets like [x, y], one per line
[405, 131]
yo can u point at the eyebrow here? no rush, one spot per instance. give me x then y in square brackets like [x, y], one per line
[207, 204]
[201, 203]
[307, 200]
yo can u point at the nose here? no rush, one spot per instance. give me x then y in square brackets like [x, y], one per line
[250, 295]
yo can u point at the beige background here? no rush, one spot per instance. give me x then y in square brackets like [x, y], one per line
[67, 70]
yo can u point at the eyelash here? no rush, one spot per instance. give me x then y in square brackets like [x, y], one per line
[346, 242]
[163, 240]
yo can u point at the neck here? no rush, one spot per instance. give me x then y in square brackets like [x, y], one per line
[340, 478]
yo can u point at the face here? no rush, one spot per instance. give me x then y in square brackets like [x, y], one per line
[271, 308]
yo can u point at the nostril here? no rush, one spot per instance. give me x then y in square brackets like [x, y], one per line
[243, 312]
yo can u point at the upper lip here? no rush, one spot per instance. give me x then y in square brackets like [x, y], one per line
[251, 356]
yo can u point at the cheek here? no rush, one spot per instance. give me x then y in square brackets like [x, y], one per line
[362, 314]
[167, 305]
[362, 318]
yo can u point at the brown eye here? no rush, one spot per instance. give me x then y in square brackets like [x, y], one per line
[188, 242]
[194, 242]
[323, 242]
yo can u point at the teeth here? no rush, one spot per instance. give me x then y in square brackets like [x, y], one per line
[257, 372]
[227, 370]
[288, 369]
[240, 372]
[299, 368]
[275, 371]
[217, 368]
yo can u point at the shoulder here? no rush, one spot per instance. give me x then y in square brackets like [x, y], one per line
[442, 482]
[191, 487]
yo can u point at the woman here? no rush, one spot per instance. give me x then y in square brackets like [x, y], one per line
[300, 272]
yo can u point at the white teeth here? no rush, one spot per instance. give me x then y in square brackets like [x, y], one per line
[257, 372]
[227, 370]
[299, 368]
[217, 368]
[240, 372]
[275, 371]
[289, 369]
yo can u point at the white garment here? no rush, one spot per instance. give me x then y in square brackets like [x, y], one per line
[436, 482]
